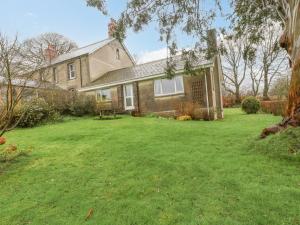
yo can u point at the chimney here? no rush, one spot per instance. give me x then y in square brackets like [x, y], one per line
[212, 44]
[112, 26]
[50, 53]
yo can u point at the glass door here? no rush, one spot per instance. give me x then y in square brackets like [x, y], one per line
[128, 97]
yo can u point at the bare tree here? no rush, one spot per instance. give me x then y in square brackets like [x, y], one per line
[280, 87]
[35, 47]
[256, 76]
[17, 68]
[272, 58]
[235, 61]
[268, 62]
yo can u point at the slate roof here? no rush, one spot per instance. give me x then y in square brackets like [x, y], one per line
[89, 49]
[149, 69]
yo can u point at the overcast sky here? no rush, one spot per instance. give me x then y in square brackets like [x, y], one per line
[82, 24]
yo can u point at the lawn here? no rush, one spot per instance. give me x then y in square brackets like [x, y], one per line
[136, 171]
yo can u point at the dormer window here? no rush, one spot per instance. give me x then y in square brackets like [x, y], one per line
[118, 54]
[71, 71]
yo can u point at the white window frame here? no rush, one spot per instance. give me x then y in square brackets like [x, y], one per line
[101, 98]
[73, 71]
[177, 92]
[128, 96]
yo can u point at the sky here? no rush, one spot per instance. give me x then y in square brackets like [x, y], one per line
[84, 25]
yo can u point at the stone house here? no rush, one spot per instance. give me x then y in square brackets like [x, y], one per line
[107, 70]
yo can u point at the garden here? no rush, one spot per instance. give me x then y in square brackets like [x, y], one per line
[152, 171]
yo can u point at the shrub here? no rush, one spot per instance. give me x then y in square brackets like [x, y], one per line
[184, 118]
[228, 101]
[277, 108]
[69, 103]
[83, 105]
[59, 100]
[31, 114]
[10, 153]
[250, 105]
[187, 109]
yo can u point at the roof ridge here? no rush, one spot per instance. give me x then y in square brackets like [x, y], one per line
[92, 44]
[157, 60]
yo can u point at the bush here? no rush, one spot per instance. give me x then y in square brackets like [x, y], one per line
[277, 108]
[187, 109]
[69, 103]
[228, 101]
[250, 105]
[184, 118]
[10, 153]
[31, 114]
[83, 105]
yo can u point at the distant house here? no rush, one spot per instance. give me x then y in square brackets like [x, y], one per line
[107, 70]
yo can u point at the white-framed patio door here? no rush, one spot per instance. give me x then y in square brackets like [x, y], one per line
[128, 97]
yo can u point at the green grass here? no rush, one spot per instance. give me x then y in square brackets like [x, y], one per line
[137, 171]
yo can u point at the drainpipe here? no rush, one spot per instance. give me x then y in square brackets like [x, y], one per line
[80, 72]
[207, 100]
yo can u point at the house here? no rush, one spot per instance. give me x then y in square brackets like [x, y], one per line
[107, 71]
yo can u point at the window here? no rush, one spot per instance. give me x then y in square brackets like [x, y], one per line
[55, 80]
[104, 95]
[128, 97]
[42, 76]
[118, 54]
[169, 86]
[71, 71]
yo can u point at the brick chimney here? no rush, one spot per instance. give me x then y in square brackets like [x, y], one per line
[112, 26]
[50, 53]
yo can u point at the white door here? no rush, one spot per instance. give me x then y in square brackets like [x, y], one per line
[128, 97]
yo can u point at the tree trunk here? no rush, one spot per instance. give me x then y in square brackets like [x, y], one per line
[290, 40]
[293, 109]
[266, 87]
[237, 96]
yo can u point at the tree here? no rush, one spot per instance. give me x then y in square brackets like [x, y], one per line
[235, 57]
[251, 16]
[268, 61]
[35, 47]
[271, 57]
[255, 75]
[17, 67]
[280, 87]
[190, 17]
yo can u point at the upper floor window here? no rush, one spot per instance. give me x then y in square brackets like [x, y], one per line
[42, 75]
[71, 71]
[104, 95]
[118, 54]
[169, 86]
[54, 72]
